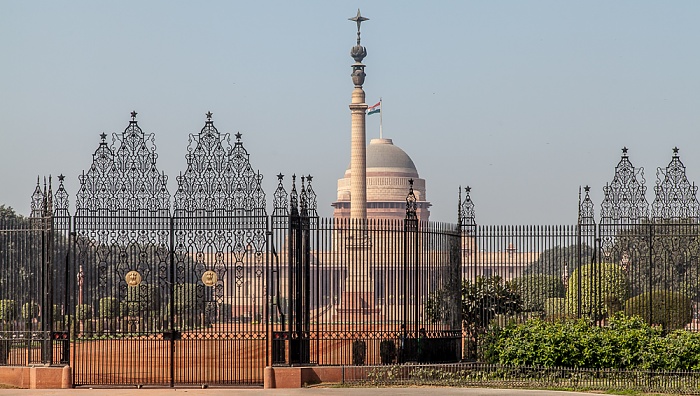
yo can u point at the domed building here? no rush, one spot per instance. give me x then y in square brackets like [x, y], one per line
[389, 170]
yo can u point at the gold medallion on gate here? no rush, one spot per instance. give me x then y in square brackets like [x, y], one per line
[209, 278]
[133, 278]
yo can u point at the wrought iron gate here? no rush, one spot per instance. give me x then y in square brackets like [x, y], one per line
[203, 287]
[169, 297]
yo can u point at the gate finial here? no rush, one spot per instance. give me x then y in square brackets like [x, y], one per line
[411, 202]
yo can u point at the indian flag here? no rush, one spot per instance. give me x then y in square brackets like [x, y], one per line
[375, 109]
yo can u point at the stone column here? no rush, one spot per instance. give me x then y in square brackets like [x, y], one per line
[358, 156]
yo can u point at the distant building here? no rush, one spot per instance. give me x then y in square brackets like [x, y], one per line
[389, 170]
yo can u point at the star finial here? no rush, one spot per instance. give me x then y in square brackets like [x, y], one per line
[280, 176]
[624, 150]
[587, 188]
[209, 114]
[359, 19]
[309, 178]
[61, 178]
[675, 150]
[133, 115]
[467, 189]
[238, 136]
[103, 136]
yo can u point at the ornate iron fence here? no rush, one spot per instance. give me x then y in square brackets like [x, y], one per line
[204, 287]
[31, 322]
[639, 259]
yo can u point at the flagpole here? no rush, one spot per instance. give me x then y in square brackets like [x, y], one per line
[380, 117]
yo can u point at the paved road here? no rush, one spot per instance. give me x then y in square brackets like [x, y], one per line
[418, 391]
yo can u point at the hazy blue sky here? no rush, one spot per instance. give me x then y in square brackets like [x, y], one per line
[522, 100]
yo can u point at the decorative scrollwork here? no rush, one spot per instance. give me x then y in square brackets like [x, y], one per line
[125, 180]
[625, 196]
[248, 195]
[466, 208]
[61, 203]
[411, 202]
[38, 201]
[675, 198]
[307, 198]
[311, 204]
[281, 203]
[586, 215]
[294, 198]
[218, 177]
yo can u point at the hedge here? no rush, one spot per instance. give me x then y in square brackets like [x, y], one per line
[668, 309]
[626, 343]
[536, 289]
[602, 288]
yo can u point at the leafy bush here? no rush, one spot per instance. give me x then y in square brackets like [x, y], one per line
[30, 310]
[536, 289]
[626, 343]
[83, 311]
[140, 300]
[109, 307]
[555, 306]
[8, 310]
[188, 305]
[603, 290]
[669, 309]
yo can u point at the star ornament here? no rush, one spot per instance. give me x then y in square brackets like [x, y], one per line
[359, 19]
[133, 115]
[209, 114]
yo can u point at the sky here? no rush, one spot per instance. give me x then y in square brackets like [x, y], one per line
[524, 101]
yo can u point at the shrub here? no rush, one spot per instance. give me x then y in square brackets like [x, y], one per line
[603, 290]
[83, 312]
[57, 314]
[555, 307]
[30, 310]
[8, 310]
[682, 351]
[669, 309]
[140, 300]
[626, 343]
[109, 307]
[536, 289]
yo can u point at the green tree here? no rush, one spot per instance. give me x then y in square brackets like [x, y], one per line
[8, 312]
[561, 260]
[535, 289]
[663, 254]
[189, 305]
[671, 310]
[598, 290]
[482, 300]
